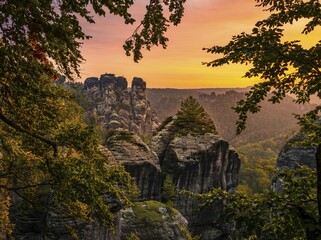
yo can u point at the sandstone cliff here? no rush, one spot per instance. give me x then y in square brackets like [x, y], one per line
[197, 163]
[189, 150]
[129, 150]
[293, 155]
[117, 106]
[195, 157]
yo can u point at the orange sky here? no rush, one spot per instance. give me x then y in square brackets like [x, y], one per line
[206, 23]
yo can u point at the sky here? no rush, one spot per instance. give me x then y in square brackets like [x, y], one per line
[205, 23]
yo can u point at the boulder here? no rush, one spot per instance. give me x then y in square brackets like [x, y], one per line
[153, 220]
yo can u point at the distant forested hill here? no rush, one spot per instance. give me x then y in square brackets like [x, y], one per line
[273, 120]
[258, 146]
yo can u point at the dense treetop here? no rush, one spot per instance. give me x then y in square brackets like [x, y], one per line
[192, 118]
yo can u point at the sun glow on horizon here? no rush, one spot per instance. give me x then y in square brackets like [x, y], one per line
[206, 23]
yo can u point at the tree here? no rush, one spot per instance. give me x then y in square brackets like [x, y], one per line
[192, 118]
[168, 190]
[285, 67]
[288, 214]
[45, 146]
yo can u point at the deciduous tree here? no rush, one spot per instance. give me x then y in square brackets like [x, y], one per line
[45, 147]
[284, 67]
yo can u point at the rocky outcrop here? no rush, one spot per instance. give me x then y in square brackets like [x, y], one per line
[117, 106]
[293, 155]
[153, 220]
[197, 163]
[130, 151]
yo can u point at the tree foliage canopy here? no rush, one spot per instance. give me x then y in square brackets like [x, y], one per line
[283, 66]
[192, 118]
[288, 214]
[168, 189]
[45, 146]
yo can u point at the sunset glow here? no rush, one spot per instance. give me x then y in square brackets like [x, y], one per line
[206, 23]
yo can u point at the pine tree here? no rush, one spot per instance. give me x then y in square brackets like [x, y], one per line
[168, 189]
[193, 119]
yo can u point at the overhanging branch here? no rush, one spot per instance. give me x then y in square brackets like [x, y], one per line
[49, 141]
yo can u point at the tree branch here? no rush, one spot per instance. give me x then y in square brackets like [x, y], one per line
[49, 141]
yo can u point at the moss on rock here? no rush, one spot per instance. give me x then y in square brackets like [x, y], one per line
[153, 220]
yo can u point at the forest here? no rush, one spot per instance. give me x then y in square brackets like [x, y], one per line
[67, 173]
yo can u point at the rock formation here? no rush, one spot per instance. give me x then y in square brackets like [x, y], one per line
[129, 150]
[116, 106]
[40, 223]
[197, 163]
[293, 155]
[195, 160]
[153, 220]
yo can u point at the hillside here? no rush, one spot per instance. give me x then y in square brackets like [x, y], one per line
[272, 121]
[259, 145]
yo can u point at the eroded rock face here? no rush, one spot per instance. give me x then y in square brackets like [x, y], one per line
[198, 163]
[40, 224]
[195, 162]
[130, 151]
[116, 106]
[292, 156]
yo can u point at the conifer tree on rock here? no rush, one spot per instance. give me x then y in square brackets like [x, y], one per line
[193, 119]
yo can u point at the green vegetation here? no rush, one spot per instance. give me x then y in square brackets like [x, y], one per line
[168, 190]
[132, 236]
[45, 147]
[284, 67]
[192, 118]
[116, 136]
[123, 135]
[288, 214]
[186, 233]
[258, 160]
[258, 146]
[150, 211]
